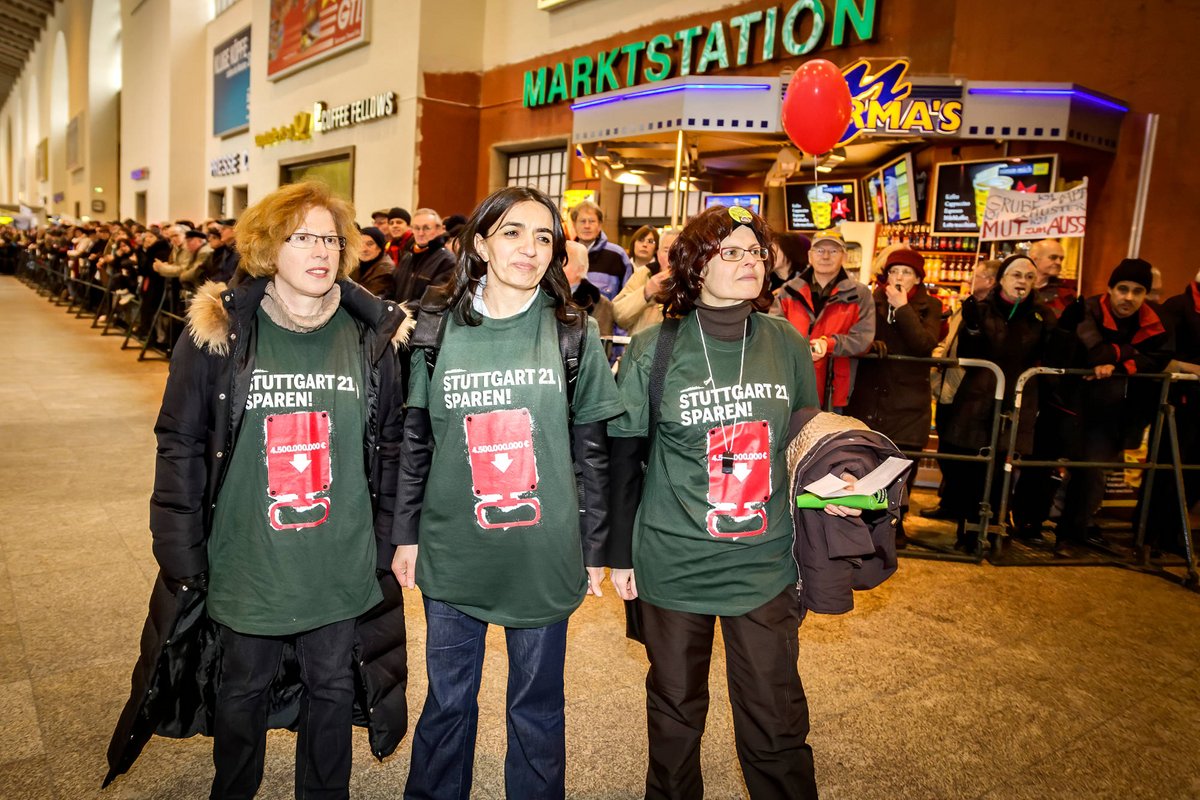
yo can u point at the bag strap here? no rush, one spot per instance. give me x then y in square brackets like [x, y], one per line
[570, 347]
[658, 369]
[431, 327]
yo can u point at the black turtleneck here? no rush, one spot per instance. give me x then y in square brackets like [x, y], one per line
[727, 323]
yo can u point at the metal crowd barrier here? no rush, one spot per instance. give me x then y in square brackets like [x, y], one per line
[1164, 418]
[986, 455]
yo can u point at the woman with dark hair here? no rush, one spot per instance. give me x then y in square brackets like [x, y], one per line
[272, 510]
[713, 531]
[643, 247]
[636, 306]
[1011, 328]
[488, 495]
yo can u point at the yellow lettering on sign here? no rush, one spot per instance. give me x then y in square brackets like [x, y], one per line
[951, 116]
[917, 117]
[883, 117]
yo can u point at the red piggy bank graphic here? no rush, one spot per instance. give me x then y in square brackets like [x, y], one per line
[503, 469]
[298, 468]
[739, 479]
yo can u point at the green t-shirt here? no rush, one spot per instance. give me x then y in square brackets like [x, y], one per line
[713, 533]
[293, 546]
[499, 530]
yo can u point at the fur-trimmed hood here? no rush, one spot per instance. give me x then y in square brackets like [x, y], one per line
[209, 320]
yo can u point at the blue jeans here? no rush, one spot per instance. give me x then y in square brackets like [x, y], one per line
[443, 753]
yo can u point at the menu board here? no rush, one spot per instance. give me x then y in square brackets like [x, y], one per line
[890, 191]
[816, 206]
[750, 201]
[961, 187]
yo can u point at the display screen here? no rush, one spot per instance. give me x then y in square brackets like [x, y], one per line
[872, 198]
[961, 187]
[891, 190]
[816, 206]
[750, 201]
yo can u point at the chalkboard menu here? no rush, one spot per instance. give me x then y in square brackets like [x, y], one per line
[961, 187]
[817, 206]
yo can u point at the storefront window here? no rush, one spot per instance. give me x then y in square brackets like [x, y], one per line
[543, 169]
[652, 205]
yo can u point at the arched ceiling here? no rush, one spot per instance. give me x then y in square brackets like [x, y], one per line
[22, 23]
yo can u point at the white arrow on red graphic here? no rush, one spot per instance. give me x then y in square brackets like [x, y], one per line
[741, 471]
[301, 461]
[502, 462]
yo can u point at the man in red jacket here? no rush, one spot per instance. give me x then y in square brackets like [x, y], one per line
[835, 312]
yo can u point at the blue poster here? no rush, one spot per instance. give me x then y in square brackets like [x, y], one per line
[231, 84]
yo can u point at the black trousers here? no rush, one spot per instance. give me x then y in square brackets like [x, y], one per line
[1085, 489]
[248, 667]
[770, 711]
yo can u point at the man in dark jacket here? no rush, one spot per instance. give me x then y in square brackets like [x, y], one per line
[1181, 317]
[401, 234]
[1119, 335]
[224, 260]
[1051, 291]
[429, 263]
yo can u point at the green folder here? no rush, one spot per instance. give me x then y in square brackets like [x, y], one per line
[867, 502]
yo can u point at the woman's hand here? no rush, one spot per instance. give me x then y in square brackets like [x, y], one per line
[654, 285]
[404, 565]
[623, 581]
[896, 296]
[595, 578]
[843, 511]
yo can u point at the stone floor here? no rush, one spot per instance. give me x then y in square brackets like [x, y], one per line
[951, 681]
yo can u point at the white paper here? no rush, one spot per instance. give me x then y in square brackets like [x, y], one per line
[879, 478]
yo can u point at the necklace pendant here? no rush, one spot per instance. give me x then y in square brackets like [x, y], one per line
[727, 463]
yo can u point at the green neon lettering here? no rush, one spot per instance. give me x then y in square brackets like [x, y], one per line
[685, 37]
[581, 77]
[655, 55]
[744, 24]
[535, 88]
[714, 49]
[558, 84]
[768, 51]
[631, 51]
[789, 27]
[863, 22]
[604, 70]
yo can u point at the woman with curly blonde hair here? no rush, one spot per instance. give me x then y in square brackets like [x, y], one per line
[269, 523]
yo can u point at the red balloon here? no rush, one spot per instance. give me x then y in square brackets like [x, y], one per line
[817, 107]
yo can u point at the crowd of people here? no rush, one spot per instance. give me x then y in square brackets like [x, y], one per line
[453, 353]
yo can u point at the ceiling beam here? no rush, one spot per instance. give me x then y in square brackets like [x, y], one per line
[34, 18]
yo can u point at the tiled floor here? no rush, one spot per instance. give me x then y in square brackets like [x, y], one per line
[951, 681]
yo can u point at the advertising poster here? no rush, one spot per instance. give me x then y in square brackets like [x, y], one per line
[961, 188]
[896, 189]
[817, 206]
[231, 84]
[304, 32]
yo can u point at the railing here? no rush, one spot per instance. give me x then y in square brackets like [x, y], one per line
[1164, 418]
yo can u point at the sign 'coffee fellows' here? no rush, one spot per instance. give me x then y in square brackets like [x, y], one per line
[325, 118]
[755, 37]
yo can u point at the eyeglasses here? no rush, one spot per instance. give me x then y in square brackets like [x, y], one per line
[425, 228]
[737, 253]
[307, 241]
[827, 252]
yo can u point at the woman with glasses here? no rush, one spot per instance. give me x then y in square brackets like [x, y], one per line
[502, 501]
[277, 458]
[713, 535]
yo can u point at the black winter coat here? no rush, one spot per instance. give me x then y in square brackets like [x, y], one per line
[1181, 317]
[173, 680]
[893, 397]
[1014, 341]
[417, 271]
